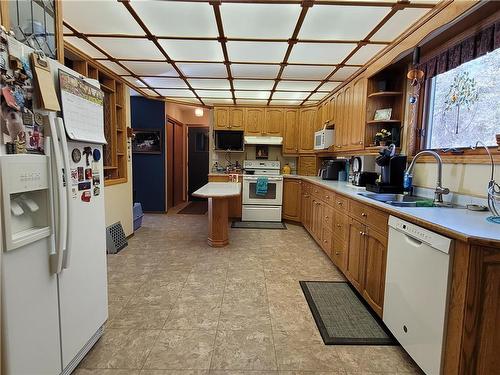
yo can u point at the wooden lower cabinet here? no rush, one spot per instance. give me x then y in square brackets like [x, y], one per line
[355, 254]
[327, 241]
[234, 204]
[339, 253]
[292, 199]
[306, 209]
[357, 245]
[375, 259]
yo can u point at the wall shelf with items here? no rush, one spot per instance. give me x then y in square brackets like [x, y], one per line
[385, 93]
[385, 105]
[115, 125]
[375, 122]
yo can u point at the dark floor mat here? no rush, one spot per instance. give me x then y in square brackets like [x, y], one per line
[342, 318]
[258, 225]
[195, 208]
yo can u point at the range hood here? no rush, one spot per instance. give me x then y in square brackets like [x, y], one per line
[262, 140]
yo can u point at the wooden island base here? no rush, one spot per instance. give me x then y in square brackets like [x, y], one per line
[217, 222]
[218, 195]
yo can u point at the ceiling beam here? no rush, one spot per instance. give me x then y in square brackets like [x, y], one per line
[154, 39]
[322, 2]
[228, 39]
[223, 42]
[306, 4]
[361, 43]
[110, 58]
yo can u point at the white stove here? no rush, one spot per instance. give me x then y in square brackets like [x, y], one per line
[262, 206]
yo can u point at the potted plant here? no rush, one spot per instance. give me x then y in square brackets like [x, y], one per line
[382, 137]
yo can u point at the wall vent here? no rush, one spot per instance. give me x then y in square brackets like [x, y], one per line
[115, 238]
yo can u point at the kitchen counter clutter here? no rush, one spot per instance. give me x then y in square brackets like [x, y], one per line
[218, 194]
[458, 223]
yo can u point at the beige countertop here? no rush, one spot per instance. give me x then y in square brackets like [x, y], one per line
[218, 190]
[458, 222]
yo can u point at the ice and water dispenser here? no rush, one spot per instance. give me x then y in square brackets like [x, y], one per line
[25, 199]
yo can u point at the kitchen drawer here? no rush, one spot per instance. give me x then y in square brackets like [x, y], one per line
[339, 253]
[326, 241]
[328, 197]
[370, 216]
[328, 217]
[341, 203]
[317, 192]
[341, 226]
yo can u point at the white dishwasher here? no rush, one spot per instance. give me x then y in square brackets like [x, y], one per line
[416, 291]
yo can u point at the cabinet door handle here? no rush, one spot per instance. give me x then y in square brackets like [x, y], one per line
[338, 225]
[326, 217]
[337, 253]
[325, 241]
[360, 233]
[339, 203]
[363, 214]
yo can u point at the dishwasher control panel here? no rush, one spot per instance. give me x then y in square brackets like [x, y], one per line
[433, 239]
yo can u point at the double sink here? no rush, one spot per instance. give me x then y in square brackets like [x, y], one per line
[402, 200]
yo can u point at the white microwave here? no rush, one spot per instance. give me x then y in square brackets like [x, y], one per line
[324, 138]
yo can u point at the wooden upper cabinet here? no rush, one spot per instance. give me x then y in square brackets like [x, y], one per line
[290, 132]
[358, 114]
[221, 118]
[236, 118]
[275, 118]
[319, 117]
[339, 119]
[331, 109]
[307, 127]
[347, 118]
[254, 120]
[374, 275]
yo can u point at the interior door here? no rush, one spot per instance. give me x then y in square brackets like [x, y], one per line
[197, 159]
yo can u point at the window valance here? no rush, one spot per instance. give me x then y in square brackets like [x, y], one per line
[484, 41]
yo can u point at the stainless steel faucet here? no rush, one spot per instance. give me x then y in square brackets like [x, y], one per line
[440, 190]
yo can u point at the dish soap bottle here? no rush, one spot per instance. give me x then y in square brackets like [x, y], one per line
[286, 169]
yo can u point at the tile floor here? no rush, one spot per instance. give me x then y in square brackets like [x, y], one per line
[178, 306]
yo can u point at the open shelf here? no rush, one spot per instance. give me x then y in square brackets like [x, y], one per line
[371, 122]
[385, 93]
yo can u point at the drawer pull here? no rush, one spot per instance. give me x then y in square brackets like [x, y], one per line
[363, 214]
[324, 241]
[326, 217]
[337, 253]
[339, 203]
[339, 226]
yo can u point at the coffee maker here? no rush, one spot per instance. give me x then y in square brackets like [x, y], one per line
[330, 169]
[392, 172]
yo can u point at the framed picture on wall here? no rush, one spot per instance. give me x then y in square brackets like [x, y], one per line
[147, 141]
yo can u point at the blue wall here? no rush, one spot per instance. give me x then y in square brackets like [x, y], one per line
[149, 170]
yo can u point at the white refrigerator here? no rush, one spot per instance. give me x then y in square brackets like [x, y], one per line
[54, 280]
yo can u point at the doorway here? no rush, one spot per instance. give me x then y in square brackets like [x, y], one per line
[197, 159]
[176, 162]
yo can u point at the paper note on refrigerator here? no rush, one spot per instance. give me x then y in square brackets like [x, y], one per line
[83, 109]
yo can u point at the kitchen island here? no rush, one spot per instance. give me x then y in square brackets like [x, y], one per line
[218, 194]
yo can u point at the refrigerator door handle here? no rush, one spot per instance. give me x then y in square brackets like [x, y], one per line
[62, 217]
[65, 154]
[53, 256]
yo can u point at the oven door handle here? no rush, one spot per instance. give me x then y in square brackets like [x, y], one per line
[269, 178]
